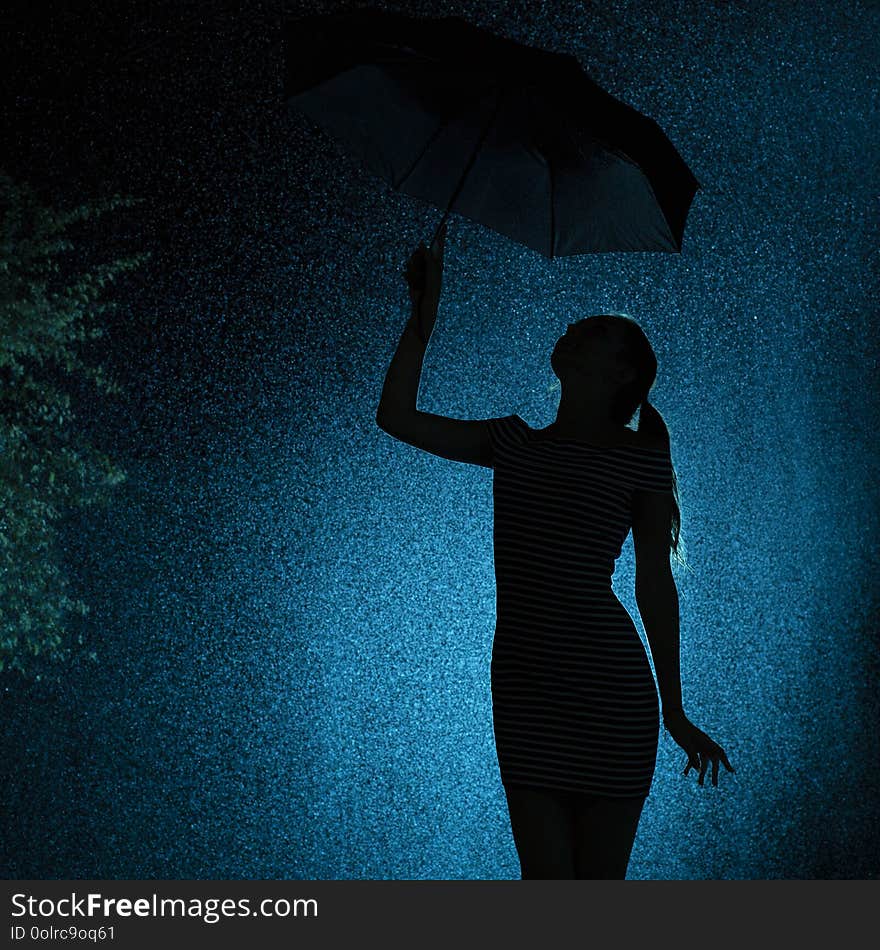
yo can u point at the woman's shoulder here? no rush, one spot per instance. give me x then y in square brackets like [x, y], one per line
[626, 438]
[647, 443]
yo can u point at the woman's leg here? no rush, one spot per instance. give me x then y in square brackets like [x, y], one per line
[605, 829]
[543, 828]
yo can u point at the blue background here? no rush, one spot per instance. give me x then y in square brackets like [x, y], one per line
[292, 612]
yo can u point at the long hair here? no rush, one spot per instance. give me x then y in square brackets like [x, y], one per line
[633, 395]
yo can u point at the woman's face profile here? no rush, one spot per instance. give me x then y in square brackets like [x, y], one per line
[589, 344]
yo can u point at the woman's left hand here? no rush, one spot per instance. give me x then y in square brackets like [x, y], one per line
[424, 270]
[700, 748]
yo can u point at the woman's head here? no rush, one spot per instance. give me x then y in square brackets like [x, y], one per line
[612, 351]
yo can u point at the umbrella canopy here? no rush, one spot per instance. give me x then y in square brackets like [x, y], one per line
[517, 138]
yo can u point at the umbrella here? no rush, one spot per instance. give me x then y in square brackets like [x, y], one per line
[515, 137]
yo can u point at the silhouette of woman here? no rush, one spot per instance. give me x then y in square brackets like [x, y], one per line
[574, 705]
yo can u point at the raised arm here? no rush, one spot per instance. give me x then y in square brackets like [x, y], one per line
[456, 439]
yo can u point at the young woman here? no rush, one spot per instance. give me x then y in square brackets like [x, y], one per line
[575, 708]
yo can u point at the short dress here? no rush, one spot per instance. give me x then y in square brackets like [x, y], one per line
[574, 703]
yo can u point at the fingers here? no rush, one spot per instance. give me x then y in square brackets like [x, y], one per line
[424, 269]
[415, 266]
[700, 761]
[704, 765]
[421, 259]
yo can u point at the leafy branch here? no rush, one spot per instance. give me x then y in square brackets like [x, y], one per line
[46, 466]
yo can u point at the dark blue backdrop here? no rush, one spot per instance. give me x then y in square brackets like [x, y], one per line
[292, 613]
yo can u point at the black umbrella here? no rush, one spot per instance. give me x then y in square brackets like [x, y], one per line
[514, 137]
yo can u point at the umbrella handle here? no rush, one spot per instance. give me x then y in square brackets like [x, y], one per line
[433, 243]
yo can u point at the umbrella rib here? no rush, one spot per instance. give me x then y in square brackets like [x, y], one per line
[420, 156]
[552, 208]
[498, 101]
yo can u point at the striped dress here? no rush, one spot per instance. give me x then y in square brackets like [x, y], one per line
[574, 704]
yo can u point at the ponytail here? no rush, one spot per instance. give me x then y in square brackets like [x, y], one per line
[652, 424]
[632, 395]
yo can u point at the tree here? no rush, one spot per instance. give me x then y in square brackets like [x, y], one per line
[46, 467]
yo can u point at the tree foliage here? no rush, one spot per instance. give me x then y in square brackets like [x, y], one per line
[47, 468]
